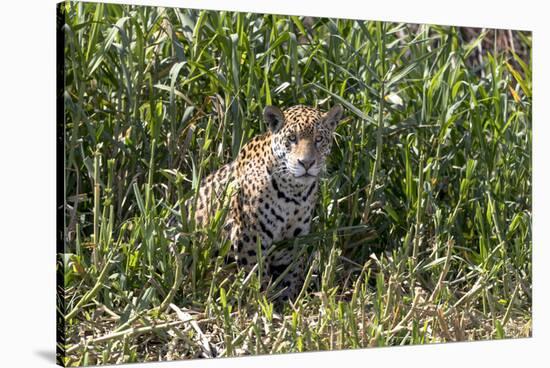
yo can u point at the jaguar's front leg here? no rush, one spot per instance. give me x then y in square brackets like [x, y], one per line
[289, 264]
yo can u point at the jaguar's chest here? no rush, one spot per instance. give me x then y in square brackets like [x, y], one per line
[279, 207]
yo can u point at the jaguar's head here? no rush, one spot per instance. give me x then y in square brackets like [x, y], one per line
[301, 139]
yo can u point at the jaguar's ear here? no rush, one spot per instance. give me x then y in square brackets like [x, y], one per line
[332, 117]
[274, 118]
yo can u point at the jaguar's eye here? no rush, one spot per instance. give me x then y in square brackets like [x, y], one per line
[318, 139]
[292, 138]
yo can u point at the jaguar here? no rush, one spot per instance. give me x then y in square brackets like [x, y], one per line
[274, 182]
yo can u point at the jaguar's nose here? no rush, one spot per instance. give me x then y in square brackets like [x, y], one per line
[306, 163]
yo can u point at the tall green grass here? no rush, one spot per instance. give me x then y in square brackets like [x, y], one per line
[422, 233]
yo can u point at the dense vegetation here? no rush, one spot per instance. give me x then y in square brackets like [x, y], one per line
[423, 229]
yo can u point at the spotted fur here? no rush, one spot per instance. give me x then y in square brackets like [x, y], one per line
[275, 180]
